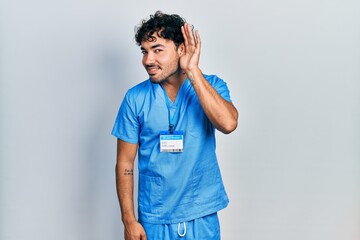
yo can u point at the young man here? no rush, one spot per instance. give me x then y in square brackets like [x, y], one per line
[169, 120]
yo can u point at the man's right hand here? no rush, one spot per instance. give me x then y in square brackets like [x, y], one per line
[134, 231]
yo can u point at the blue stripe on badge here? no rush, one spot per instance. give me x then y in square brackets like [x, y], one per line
[171, 137]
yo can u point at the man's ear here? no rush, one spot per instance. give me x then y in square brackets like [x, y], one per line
[181, 49]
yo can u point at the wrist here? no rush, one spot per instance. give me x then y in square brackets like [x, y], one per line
[192, 70]
[192, 73]
[128, 220]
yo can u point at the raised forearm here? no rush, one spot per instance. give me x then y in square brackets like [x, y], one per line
[220, 112]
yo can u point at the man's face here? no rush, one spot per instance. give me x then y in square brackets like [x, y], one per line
[160, 59]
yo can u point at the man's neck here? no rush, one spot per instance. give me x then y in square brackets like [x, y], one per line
[173, 84]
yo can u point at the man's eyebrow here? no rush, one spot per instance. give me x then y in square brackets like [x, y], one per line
[152, 47]
[157, 45]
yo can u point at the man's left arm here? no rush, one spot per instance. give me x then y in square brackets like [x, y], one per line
[222, 114]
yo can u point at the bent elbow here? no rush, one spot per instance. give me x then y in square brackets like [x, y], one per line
[232, 123]
[229, 123]
[230, 127]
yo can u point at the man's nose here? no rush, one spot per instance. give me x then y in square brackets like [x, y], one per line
[148, 59]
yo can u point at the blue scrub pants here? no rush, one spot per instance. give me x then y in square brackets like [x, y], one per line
[205, 228]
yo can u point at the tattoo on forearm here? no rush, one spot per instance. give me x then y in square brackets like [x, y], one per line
[191, 78]
[128, 172]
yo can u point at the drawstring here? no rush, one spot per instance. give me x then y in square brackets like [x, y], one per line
[184, 233]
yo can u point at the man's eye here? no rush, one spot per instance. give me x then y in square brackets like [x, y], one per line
[143, 52]
[157, 50]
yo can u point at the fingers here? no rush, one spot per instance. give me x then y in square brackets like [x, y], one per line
[190, 34]
[143, 235]
[190, 39]
[191, 52]
[137, 233]
[198, 40]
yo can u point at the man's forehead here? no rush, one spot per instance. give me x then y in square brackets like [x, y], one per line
[155, 40]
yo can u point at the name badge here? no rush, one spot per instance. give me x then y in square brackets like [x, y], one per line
[171, 142]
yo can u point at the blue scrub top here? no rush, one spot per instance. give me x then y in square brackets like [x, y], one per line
[173, 187]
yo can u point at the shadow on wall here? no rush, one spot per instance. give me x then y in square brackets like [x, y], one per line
[100, 193]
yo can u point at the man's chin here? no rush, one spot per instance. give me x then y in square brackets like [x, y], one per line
[155, 80]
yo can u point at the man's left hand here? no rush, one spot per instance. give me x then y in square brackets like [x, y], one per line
[189, 60]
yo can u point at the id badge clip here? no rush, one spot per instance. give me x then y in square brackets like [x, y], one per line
[172, 141]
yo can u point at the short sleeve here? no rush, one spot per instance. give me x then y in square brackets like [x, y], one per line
[220, 86]
[126, 126]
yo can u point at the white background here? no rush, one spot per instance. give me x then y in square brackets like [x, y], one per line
[291, 169]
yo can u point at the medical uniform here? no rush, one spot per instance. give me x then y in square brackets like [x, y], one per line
[174, 187]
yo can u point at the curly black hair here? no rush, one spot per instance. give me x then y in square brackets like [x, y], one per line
[167, 26]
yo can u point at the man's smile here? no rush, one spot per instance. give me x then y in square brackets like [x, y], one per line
[152, 69]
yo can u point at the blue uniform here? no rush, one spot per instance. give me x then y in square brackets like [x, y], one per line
[173, 187]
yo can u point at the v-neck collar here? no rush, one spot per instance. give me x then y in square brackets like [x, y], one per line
[179, 96]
